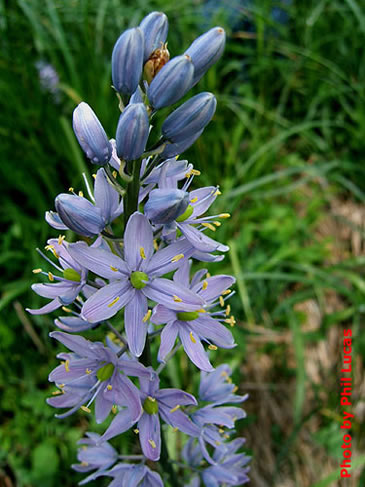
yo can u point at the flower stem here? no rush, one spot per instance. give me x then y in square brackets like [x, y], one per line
[132, 195]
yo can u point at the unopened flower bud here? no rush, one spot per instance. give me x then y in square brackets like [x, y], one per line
[171, 83]
[91, 135]
[132, 132]
[172, 150]
[154, 27]
[166, 205]
[191, 117]
[127, 61]
[206, 50]
[79, 215]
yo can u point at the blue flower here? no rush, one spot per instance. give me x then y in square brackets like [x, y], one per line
[127, 61]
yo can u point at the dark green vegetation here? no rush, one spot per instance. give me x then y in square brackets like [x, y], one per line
[286, 147]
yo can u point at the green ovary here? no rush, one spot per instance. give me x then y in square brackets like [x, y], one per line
[187, 214]
[71, 275]
[138, 278]
[105, 372]
[187, 315]
[150, 406]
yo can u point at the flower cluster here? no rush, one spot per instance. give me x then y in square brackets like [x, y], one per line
[141, 229]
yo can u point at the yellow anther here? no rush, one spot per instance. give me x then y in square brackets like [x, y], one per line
[94, 176]
[84, 408]
[175, 408]
[61, 386]
[226, 436]
[217, 224]
[217, 192]
[229, 380]
[235, 389]
[227, 291]
[66, 310]
[109, 387]
[195, 172]
[114, 269]
[136, 431]
[115, 174]
[217, 443]
[88, 371]
[71, 189]
[175, 430]
[224, 373]
[152, 443]
[67, 366]
[114, 409]
[221, 430]
[153, 399]
[84, 447]
[194, 200]
[212, 347]
[84, 464]
[52, 249]
[177, 257]
[142, 253]
[79, 299]
[37, 271]
[155, 245]
[201, 310]
[50, 276]
[56, 393]
[177, 299]
[208, 275]
[228, 310]
[231, 321]
[192, 337]
[221, 301]
[210, 226]
[114, 302]
[147, 316]
[61, 238]
[224, 215]
[81, 194]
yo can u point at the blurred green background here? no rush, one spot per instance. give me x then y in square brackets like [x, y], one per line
[286, 147]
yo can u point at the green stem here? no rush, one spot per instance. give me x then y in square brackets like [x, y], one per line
[131, 197]
[166, 464]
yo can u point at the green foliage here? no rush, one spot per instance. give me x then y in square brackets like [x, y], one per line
[285, 143]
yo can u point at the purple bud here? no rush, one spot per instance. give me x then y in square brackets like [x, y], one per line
[91, 135]
[132, 132]
[172, 150]
[154, 27]
[191, 117]
[171, 82]
[79, 215]
[137, 96]
[127, 61]
[165, 205]
[206, 50]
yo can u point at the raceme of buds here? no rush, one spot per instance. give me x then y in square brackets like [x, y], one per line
[127, 61]
[132, 132]
[79, 215]
[133, 280]
[154, 27]
[165, 205]
[91, 135]
[206, 50]
[191, 117]
[171, 82]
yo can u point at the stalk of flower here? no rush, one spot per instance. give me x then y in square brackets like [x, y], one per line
[131, 273]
